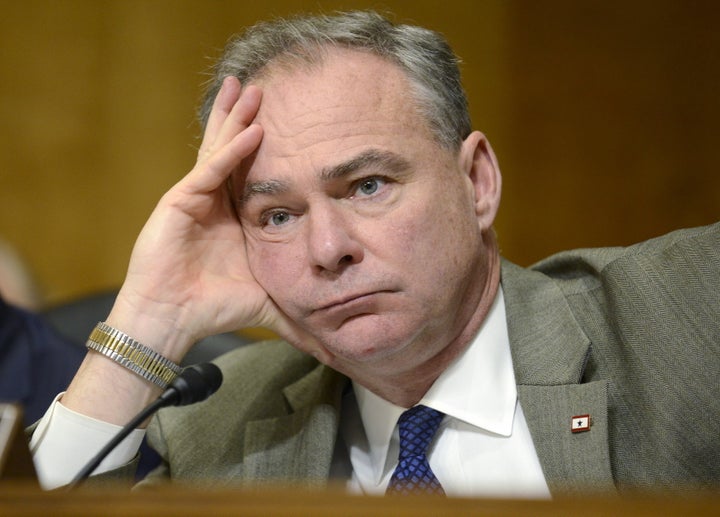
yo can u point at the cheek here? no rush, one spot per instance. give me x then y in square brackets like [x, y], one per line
[437, 222]
[441, 241]
[276, 267]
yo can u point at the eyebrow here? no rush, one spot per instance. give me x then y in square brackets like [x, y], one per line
[385, 160]
[269, 187]
[371, 158]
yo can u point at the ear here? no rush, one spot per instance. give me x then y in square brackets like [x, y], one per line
[478, 162]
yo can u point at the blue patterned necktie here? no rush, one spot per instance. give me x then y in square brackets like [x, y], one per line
[413, 474]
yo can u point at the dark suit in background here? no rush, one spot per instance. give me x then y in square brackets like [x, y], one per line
[36, 363]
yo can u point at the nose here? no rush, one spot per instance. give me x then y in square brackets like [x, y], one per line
[331, 240]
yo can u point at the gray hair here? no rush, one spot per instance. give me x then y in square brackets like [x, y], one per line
[424, 55]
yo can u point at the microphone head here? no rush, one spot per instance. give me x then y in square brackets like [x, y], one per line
[195, 383]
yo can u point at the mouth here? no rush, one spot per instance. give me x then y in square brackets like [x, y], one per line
[344, 300]
[352, 305]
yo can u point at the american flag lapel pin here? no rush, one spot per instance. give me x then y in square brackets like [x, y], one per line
[580, 423]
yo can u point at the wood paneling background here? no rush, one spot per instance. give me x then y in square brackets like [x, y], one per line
[603, 115]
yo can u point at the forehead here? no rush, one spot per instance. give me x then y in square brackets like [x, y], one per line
[335, 76]
[347, 100]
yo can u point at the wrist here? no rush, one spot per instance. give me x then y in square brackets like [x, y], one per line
[153, 325]
[133, 355]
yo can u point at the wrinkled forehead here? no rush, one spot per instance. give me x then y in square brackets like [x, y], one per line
[344, 93]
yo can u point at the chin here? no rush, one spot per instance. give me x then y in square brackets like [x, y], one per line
[369, 340]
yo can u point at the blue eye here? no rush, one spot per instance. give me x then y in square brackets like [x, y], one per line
[369, 186]
[279, 218]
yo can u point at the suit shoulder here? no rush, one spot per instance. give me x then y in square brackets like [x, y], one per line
[583, 268]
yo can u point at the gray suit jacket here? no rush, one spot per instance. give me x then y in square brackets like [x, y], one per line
[630, 336]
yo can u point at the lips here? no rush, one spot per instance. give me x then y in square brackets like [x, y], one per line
[351, 306]
[343, 301]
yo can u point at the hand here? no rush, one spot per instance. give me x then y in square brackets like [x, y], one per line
[188, 275]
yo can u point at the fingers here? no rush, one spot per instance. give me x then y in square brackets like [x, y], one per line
[228, 159]
[212, 173]
[224, 101]
[229, 137]
[233, 111]
[240, 117]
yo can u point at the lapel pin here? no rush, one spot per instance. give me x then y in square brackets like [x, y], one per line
[580, 423]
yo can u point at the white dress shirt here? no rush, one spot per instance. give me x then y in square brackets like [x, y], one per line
[65, 441]
[483, 446]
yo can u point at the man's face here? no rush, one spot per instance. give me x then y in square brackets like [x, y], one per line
[358, 225]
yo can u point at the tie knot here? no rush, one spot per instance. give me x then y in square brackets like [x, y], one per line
[417, 427]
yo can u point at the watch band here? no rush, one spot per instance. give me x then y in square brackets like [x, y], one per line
[133, 355]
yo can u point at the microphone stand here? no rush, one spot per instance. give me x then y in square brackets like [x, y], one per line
[115, 441]
[194, 384]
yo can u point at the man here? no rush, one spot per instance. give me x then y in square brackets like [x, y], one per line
[365, 203]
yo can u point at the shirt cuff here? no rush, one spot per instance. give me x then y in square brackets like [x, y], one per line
[65, 441]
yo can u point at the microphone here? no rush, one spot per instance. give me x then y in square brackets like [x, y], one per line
[194, 384]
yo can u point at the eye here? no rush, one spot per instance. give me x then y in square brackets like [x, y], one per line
[278, 218]
[369, 186]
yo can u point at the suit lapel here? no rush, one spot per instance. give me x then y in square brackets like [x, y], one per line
[573, 463]
[298, 445]
[549, 352]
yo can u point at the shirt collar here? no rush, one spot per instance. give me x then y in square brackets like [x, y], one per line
[477, 388]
